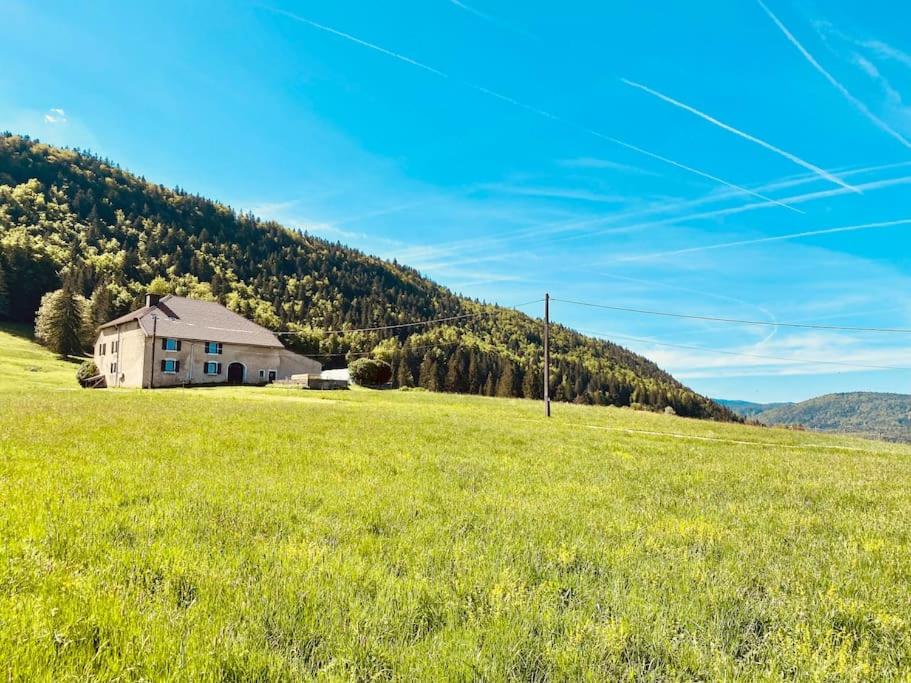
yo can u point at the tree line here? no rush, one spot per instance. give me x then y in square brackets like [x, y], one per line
[71, 220]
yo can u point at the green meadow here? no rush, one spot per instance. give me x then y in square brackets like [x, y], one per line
[239, 534]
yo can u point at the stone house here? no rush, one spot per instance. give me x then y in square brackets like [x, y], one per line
[173, 341]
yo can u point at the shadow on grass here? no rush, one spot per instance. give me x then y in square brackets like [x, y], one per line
[21, 330]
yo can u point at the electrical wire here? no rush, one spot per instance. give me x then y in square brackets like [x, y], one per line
[418, 323]
[727, 352]
[738, 321]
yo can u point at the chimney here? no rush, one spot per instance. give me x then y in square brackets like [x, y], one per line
[152, 299]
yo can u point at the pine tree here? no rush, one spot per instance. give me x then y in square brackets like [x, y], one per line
[428, 377]
[455, 372]
[4, 293]
[489, 387]
[505, 385]
[403, 376]
[63, 322]
[101, 306]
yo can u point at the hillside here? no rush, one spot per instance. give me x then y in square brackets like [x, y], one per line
[69, 214]
[275, 534]
[746, 408]
[878, 415]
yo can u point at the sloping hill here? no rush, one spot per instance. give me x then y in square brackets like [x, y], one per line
[66, 212]
[268, 534]
[747, 408]
[879, 415]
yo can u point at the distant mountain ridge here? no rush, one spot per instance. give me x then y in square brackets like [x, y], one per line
[747, 408]
[876, 415]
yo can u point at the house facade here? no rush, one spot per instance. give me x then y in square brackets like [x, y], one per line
[174, 341]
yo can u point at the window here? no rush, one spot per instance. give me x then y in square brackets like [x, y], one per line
[262, 374]
[115, 346]
[113, 368]
[170, 345]
[211, 368]
[101, 349]
[170, 367]
[213, 348]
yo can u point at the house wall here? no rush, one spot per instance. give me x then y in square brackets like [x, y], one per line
[291, 363]
[136, 368]
[128, 357]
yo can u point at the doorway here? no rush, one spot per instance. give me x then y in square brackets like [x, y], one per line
[236, 372]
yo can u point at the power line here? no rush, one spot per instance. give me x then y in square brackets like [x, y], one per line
[418, 323]
[807, 361]
[368, 353]
[738, 321]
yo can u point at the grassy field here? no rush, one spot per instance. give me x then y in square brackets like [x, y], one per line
[272, 534]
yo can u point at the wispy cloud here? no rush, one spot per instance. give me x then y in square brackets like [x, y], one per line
[605, 164]
[887, 51]
[773, 238]
[860, 106]
[55, 116]
[702, 174]
[557, 193]
[492, 19]
[822, 173]
[517, 103]
[796, 354]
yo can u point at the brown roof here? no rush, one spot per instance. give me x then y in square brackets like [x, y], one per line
[182, 318]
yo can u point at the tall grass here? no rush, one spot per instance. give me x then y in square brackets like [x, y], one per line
[271, 534]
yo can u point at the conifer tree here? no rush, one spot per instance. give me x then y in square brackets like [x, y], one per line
[63, 322]
[101, 306]
[4, 293]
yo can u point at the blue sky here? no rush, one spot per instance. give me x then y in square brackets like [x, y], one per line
[637, 155]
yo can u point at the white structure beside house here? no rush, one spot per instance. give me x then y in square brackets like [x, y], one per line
[173, 341]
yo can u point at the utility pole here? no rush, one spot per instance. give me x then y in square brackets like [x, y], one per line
[152, 373]
[547, 355]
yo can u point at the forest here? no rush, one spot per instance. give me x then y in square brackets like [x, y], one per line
[70, 216]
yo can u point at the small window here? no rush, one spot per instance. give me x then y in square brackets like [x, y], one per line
[212, 368]
[113, 368]
[115, 346]
[170, 367]
[262, 374]
[213, 348]
[170, 345]
[101, 349]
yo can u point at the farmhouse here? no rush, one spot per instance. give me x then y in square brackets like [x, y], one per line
[173, 341]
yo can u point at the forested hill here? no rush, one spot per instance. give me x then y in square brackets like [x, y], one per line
[68, 214]
[879, 415]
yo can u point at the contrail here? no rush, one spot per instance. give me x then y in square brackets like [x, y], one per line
[746, 136]
[695, 171]
[776, 238]
[353, 39]
[527, 107]
[492, 19]
[878, 122]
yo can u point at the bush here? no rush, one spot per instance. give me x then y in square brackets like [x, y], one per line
[369, 371]
[87, 369]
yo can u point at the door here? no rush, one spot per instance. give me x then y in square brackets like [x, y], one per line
[271, 376]
[236, 373]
